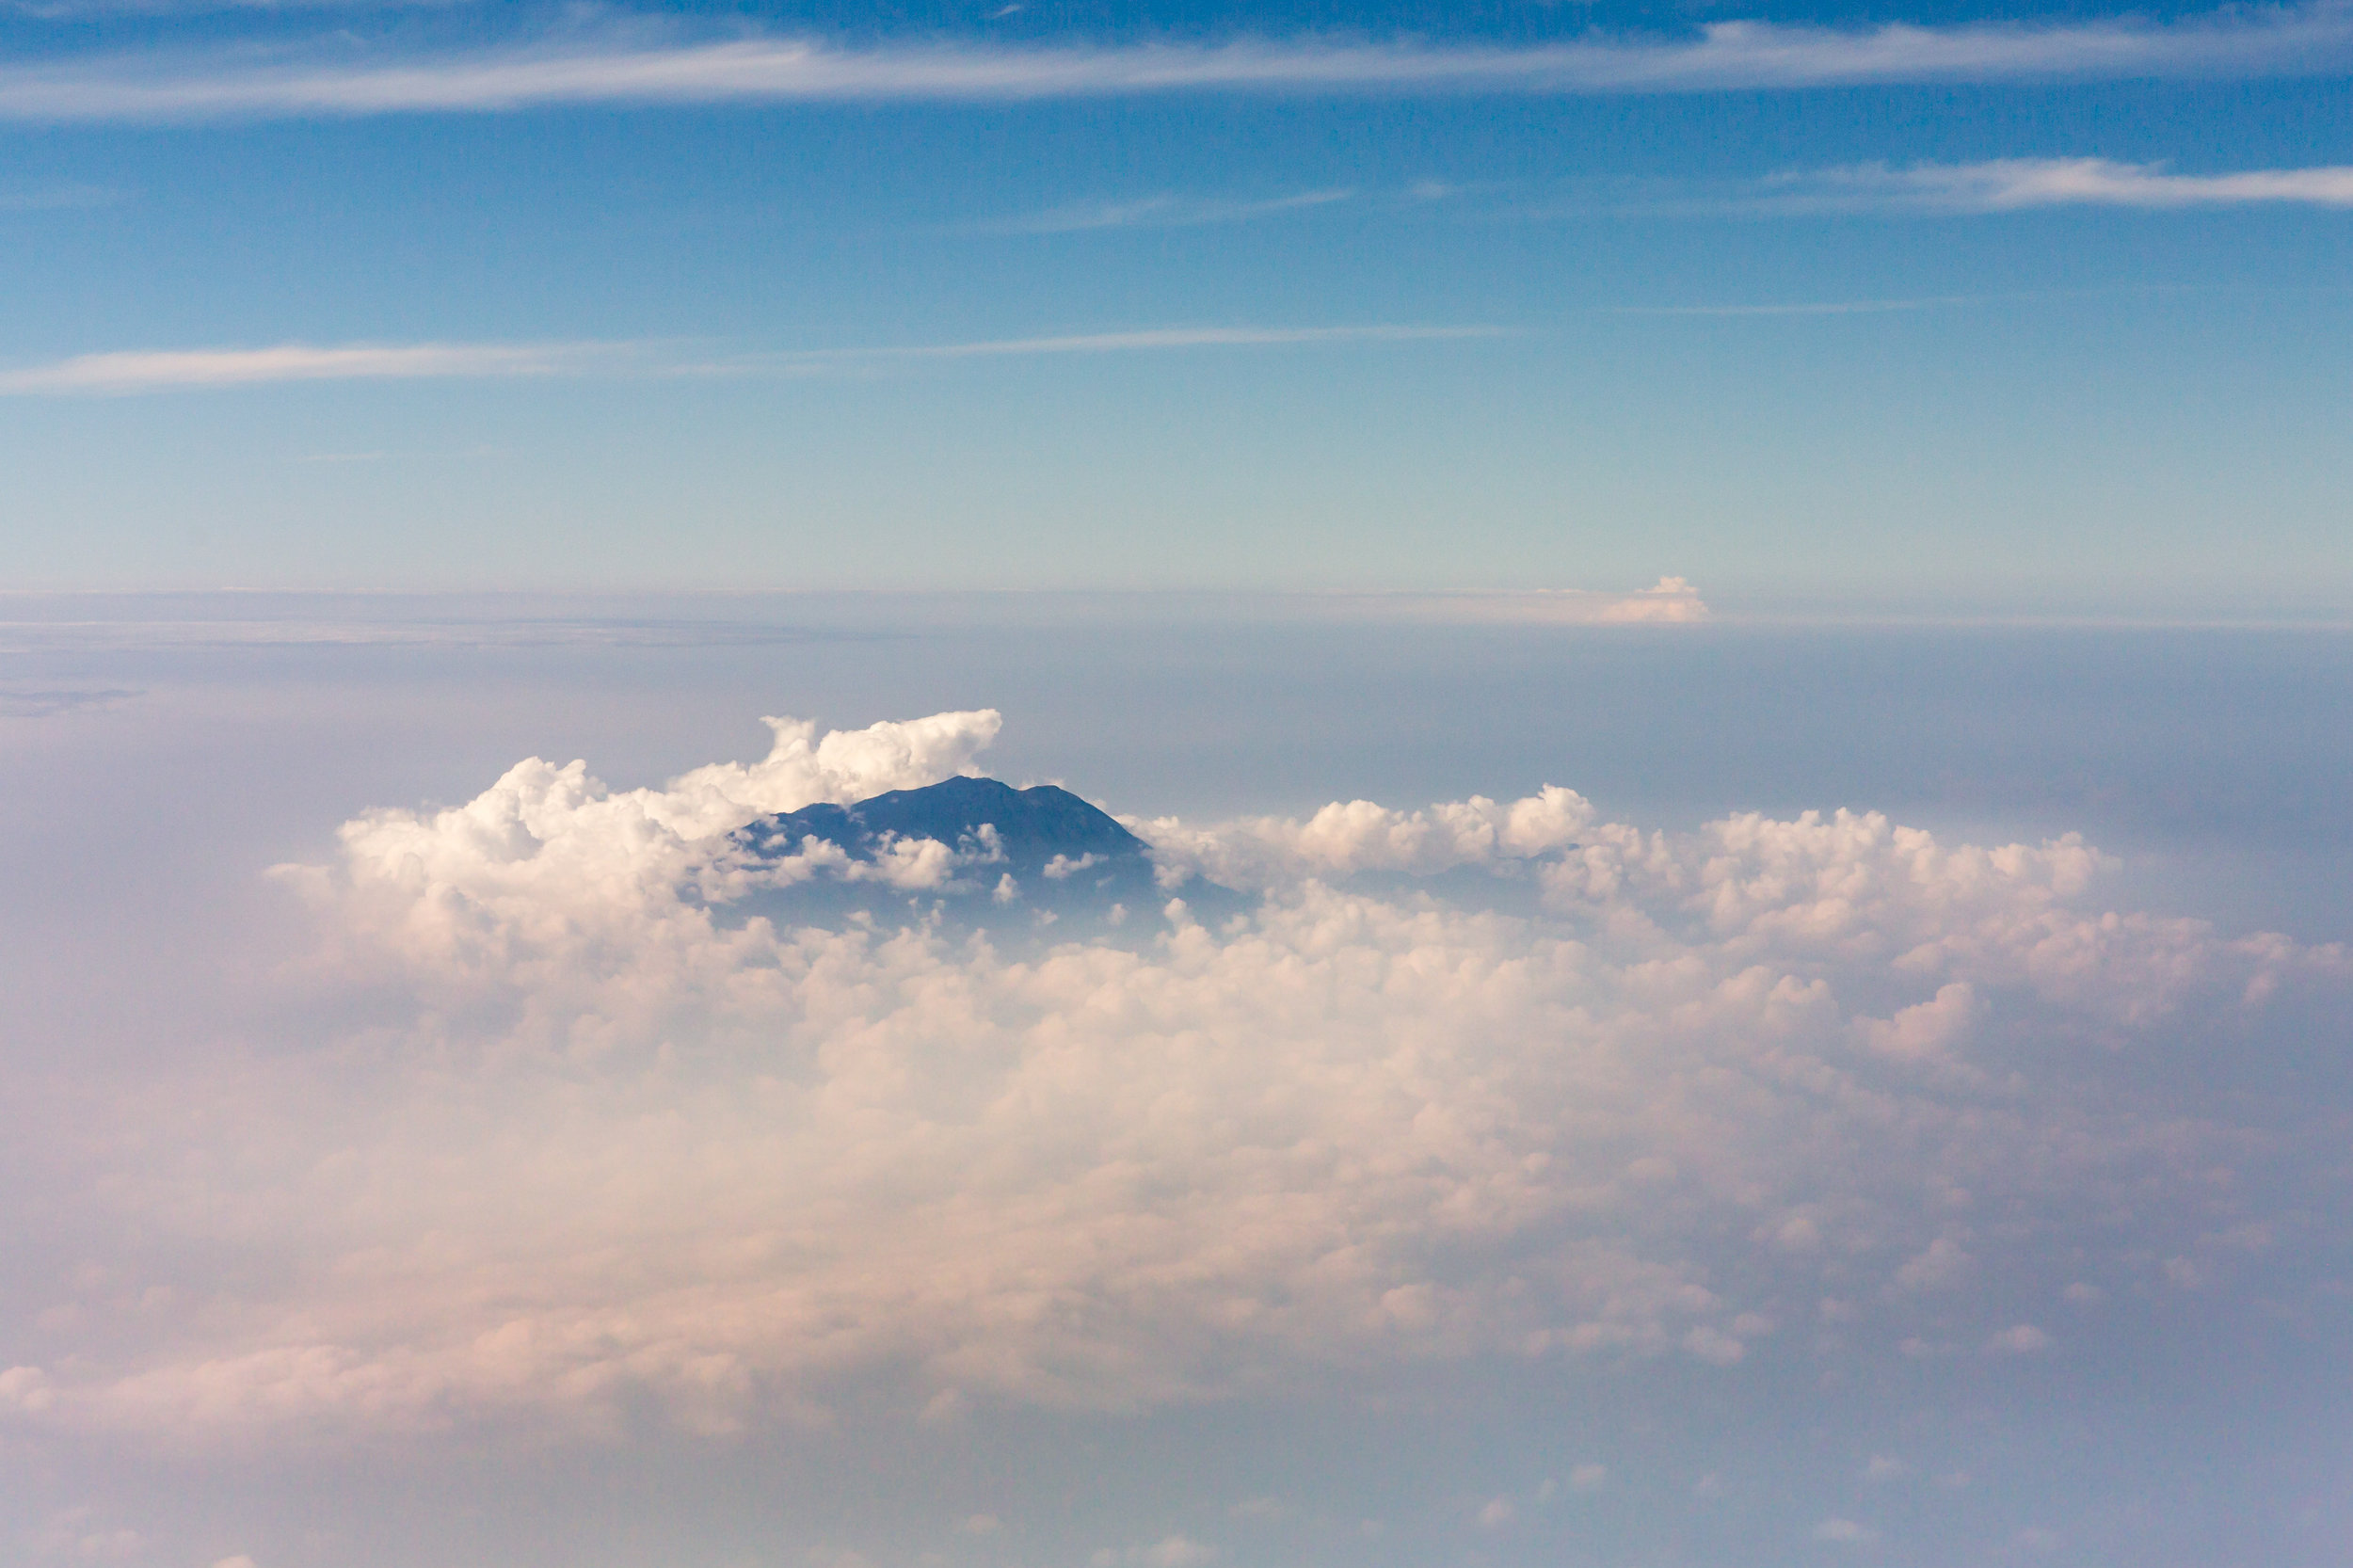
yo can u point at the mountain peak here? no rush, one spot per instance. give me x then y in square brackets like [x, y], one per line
[1023, 832]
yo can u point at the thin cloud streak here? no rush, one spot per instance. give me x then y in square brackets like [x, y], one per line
[1160, 211]
[1725, 56]
[187, 370]
[2019, 184]
[1886, 307]
[80, 10]
[169, 369]
[1821, 308]
[1148, 339]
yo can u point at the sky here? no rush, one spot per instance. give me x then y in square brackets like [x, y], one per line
[1943, 311]
[1726, 626]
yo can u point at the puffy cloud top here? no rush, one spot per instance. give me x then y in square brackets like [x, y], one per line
[584, 1136]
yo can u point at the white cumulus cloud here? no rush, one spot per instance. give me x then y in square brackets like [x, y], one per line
[577, 1138]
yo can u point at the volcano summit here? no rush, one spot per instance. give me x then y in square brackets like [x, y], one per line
[975, 847]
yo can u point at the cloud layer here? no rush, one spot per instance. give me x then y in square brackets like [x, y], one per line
[1724, 56]
[1481, 1080]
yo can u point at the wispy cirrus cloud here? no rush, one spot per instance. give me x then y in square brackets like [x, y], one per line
[1140, 340]
[185, 369]
[168, 370]
[624, 68]
[2019, 184]
[1160, 212]
[77, 10]
[1812, 308]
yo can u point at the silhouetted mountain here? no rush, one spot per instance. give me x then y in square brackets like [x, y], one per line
[1030, 828]
[1003, 856]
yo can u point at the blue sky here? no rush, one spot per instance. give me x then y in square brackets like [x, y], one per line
[1848, 311]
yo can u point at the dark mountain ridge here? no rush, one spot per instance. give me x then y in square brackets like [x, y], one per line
[1013, 859]
[1017, 831]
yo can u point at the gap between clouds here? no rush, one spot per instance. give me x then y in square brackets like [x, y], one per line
[1741, 56]
[565, 1133]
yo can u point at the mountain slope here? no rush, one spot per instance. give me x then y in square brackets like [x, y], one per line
[975, 849]
[1030, 828]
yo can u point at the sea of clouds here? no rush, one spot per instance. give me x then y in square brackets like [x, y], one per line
[569, 1141]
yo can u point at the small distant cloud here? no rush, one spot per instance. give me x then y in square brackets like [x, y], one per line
[1883, 1469]
[1927, 1034]
[1589, 1478]
[76, 1534]
[2081, 1295]
[2252, 1237]
[831, 1557]
[1170, 1551]
[1669, 602]
[1846, 1531]
[25, 1390]
[1162, 212]
[982, 1524]
[2022, 1340]
[1713, 1346]
[1498, 1512]
[1941, 1266]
